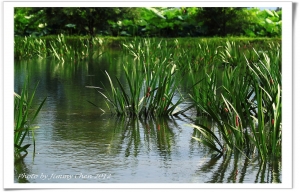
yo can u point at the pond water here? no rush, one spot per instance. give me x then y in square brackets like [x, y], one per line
[77, 143]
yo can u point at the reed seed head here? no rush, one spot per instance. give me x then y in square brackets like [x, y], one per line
[237, 120]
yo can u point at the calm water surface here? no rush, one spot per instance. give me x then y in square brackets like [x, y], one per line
[77, 143]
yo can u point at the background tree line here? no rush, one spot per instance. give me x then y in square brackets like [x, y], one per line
[150, 22]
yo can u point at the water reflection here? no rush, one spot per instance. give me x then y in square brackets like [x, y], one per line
[20, 169]
[157, 135]
[114, 145]
[236, 168]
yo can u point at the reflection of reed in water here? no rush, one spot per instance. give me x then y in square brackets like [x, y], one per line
[20, 169]
[235, 167]
[148, 135]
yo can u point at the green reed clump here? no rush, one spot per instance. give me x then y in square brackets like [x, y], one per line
[231, 54]
[197, 55]
[61, 50]
[60, 47]
[269, 98]
[28, 48]
[245, 104]
[23, 117]
[150, 79]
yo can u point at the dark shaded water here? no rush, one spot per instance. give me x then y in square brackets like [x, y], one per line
[77, 143]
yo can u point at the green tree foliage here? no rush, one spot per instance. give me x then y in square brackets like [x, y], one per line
[263, 23]
[27, 21]
[145, 21]
[69, 20]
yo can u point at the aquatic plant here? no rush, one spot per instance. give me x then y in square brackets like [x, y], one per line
[60, 47]
[23, 117]
[245, 105]
[28, 48]
[151, 81]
